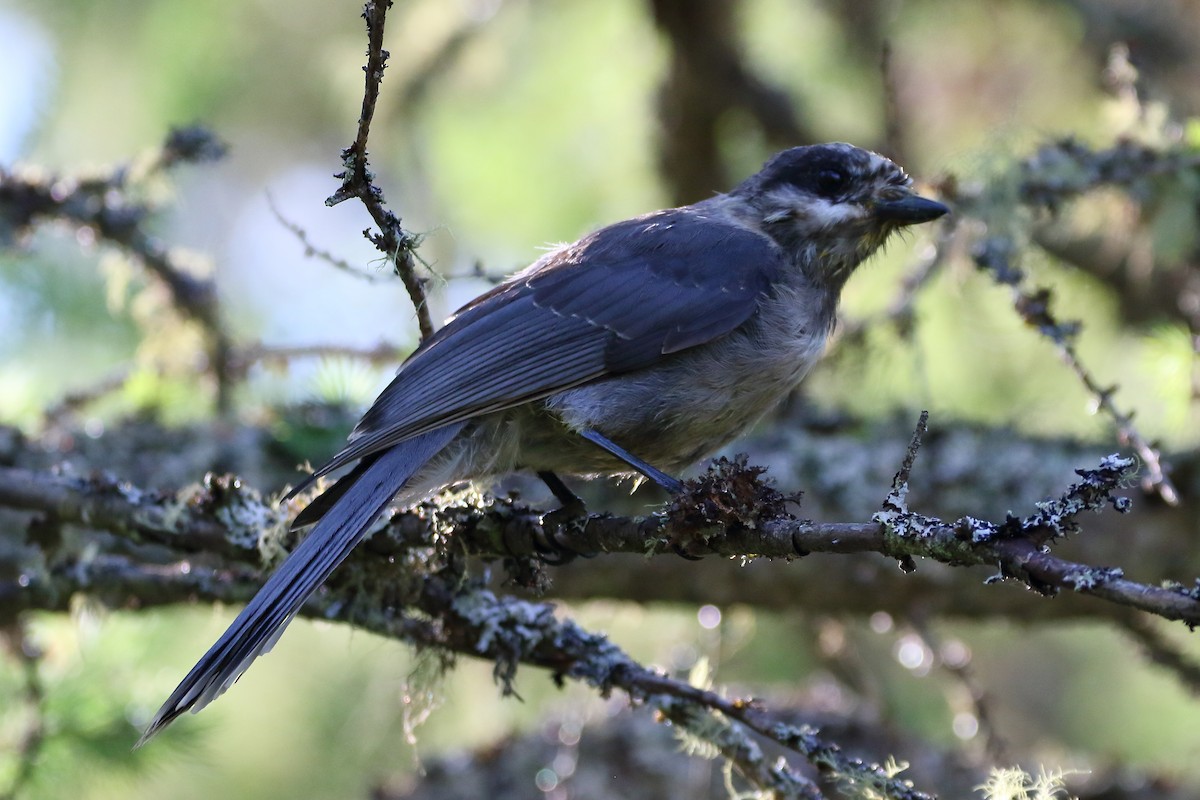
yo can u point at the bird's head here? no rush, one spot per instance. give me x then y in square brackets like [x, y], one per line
[832, 205]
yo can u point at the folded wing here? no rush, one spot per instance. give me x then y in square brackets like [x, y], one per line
[618, 300]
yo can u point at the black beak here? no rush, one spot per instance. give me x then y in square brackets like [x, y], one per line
[909, 210]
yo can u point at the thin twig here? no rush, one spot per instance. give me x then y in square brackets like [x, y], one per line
[1161, 650]
[312, 251]
[995, 256]
[392, 240]
[73, 402]
[899, 311]
[29, 748]
[895, 144]
[910, 455]
[382, 353]
[976, 696]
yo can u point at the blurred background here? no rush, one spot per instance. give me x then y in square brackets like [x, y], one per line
[508, 125]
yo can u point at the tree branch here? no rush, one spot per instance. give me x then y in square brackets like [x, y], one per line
[706, 79]
[1054, 175]
[224, 517]
[107, 206]
[358, 180]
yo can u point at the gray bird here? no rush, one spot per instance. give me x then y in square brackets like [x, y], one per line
[641, 348]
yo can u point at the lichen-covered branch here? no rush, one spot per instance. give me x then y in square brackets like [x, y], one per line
[1034, 306]
[1054, 175]
[729, 513]
[107, 204]
[510, 632]
[412, 583]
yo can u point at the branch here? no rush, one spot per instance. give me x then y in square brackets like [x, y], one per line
[452, 614]
[900, 311]
[706, 79]
[652, 766]
[106, 206]
[1160, 650]
[509, 632]
[239, 361]
[895, 133]
[72, 403]
[249, 355]
[31, 741]
[358, 180]
[728, 514]
[994, 255]
[1053, 176]
[312, 251]
[840, 462]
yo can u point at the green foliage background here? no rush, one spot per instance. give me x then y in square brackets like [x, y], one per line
[541, 127]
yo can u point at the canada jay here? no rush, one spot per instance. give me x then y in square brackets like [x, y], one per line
[640, 348]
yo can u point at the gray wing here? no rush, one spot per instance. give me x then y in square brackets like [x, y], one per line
[618, 300]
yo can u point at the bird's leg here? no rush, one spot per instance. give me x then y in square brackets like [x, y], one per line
[672, 485]
[562, 493]
[571, 511]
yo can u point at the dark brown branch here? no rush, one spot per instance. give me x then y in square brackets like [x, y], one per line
[894, 135]
[1160, 650]
[706, 80]
[22, 649]
[358, 180]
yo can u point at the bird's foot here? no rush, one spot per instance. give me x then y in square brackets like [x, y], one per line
[559, 527]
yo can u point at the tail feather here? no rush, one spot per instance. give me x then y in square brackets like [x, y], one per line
[320, 505]
[263, 620]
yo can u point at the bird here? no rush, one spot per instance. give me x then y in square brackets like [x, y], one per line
[637, 350]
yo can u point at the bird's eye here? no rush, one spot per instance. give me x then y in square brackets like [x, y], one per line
[831, 182]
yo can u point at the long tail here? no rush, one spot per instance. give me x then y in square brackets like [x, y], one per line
[262, 621]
